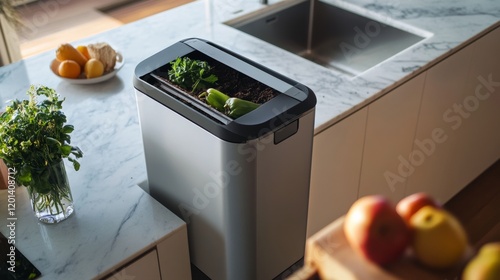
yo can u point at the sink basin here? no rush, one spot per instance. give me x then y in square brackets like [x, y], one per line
[326, 34]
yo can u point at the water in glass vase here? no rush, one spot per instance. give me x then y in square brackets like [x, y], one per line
[50, 194]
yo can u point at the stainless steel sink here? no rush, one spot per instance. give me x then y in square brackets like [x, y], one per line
[326, 34]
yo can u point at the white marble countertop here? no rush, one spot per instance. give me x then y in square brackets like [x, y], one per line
[106, 120]
[111, 225]
[450, 24]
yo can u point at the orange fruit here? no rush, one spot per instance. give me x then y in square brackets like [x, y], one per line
[93, 68]
[54, 65]
[69, 69]
[83, 50]
[68, 52]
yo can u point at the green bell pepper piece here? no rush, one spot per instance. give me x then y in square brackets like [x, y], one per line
[215, 98]
[236, 107]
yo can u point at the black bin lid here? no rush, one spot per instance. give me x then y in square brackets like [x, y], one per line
[294, 100]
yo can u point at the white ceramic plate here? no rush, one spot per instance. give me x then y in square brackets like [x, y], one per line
[83, 81]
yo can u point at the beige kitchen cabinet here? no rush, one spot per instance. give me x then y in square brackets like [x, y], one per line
[146, 267]
[483, 87]
[173, 256]
[389, 138]
[459, 120]
[435, 133]
[336, 164]
[169, 259]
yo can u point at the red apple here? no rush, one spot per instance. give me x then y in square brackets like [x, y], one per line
[409, 205]
[375, 230]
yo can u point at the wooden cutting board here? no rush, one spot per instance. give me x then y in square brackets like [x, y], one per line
[329, 254]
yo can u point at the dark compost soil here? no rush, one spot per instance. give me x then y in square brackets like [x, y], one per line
[230, 81]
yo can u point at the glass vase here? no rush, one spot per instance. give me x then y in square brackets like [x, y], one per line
[50, 194]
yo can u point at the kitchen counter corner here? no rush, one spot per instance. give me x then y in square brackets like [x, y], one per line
[109, 228]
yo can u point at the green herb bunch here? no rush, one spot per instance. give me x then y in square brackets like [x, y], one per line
[191, 74]
[34, 135]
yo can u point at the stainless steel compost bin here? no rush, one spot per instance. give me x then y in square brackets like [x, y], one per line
[241, 185]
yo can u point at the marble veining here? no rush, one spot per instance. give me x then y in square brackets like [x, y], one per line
[107, 127]
[459, 9]
[110, 227]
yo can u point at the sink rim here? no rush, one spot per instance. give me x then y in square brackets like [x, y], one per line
[410, 36]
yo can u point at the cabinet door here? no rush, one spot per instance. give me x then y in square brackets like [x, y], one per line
[482, 141]
[390, 130]
[173, 255]
[336, 163]
[146, 268]
[459, 120]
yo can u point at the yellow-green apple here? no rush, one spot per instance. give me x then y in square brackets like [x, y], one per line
[375, 230]
[439, 239]
[409, 205]
[485, 265]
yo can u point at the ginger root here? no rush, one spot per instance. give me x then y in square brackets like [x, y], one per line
[104, 53]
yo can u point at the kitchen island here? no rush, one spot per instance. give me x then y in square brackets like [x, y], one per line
[345, 159]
